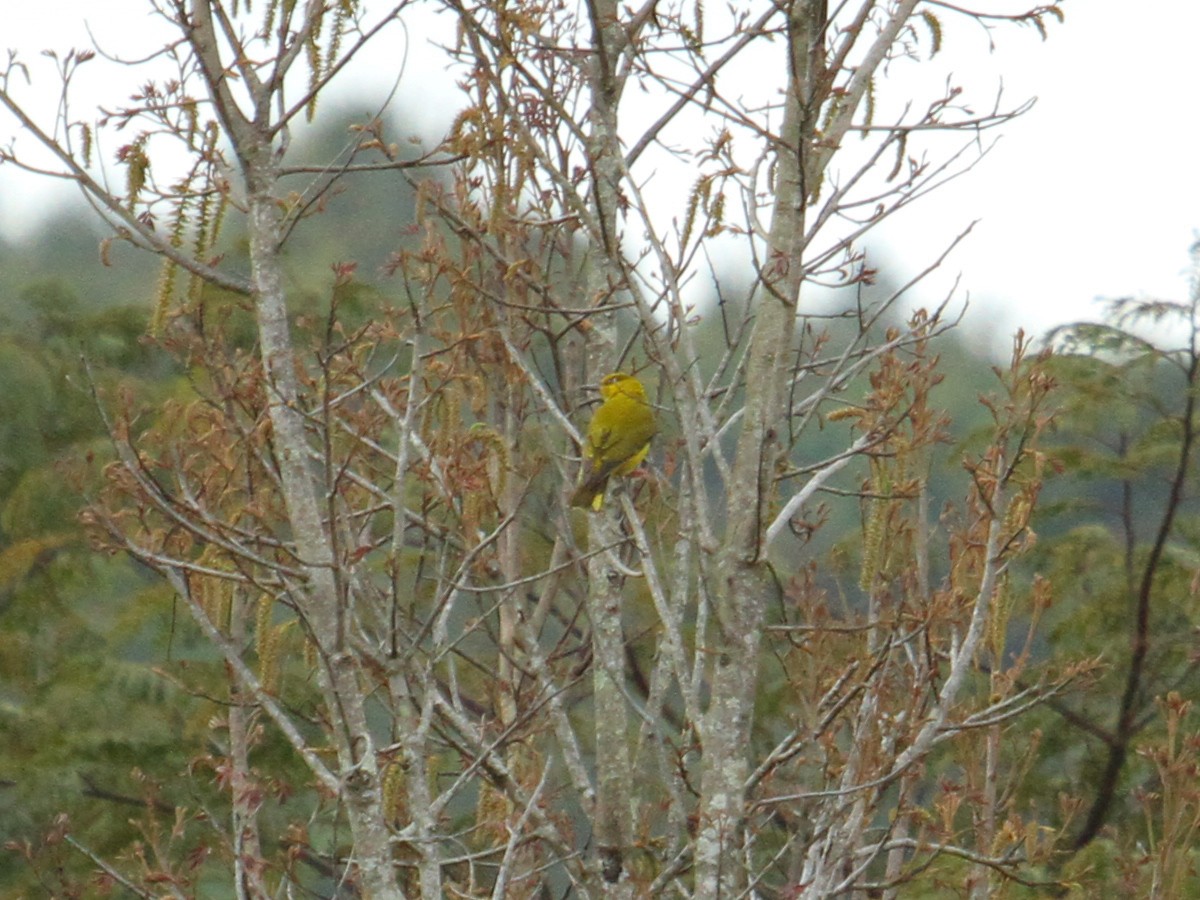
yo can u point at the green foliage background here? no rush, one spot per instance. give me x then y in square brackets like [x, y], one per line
[94, 723]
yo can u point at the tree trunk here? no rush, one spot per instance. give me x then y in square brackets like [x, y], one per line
[613, 810]
[742, 594]
[338, 672]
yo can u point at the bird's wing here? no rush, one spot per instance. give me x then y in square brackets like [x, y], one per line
[599, 443]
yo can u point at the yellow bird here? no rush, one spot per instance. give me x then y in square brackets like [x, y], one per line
[618, 437]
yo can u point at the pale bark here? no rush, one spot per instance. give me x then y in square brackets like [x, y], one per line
[612, 813]
[745, 586]
[322, 597]
[324, 603]
[245, 794]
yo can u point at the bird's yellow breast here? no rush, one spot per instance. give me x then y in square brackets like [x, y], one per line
[618, 437]
[621, 428]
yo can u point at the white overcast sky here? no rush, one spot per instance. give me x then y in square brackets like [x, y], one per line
[1096, 192]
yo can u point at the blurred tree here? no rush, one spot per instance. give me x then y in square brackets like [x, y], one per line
[79, 707]
[1120, 543]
